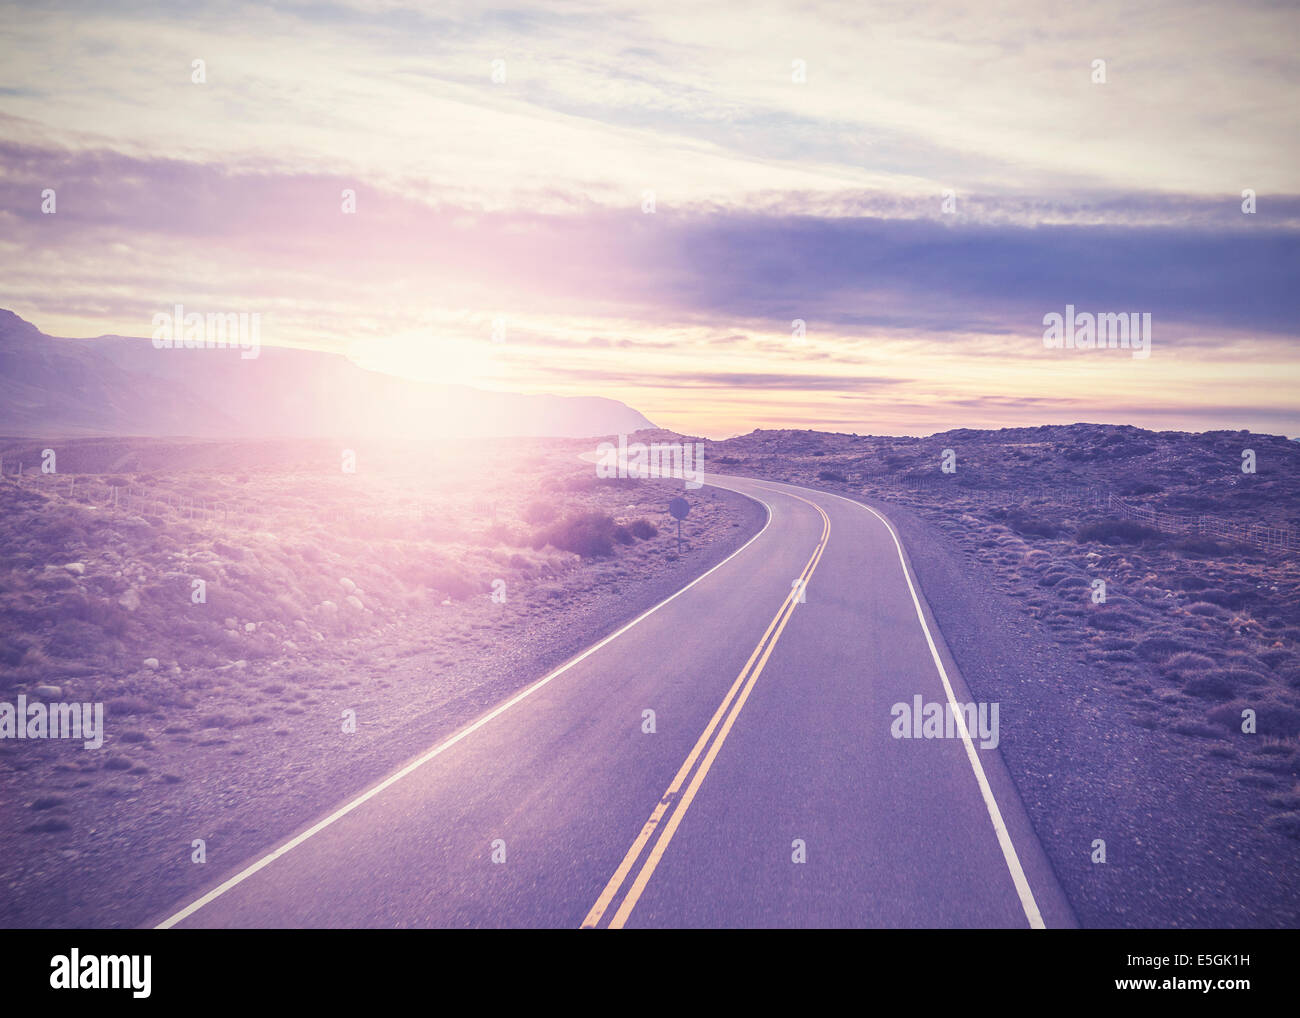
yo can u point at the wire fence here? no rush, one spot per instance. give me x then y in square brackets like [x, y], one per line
[1272, 538]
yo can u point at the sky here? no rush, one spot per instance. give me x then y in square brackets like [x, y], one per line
[640, 201]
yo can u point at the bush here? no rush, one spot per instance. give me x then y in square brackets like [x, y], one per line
[830, 475]
[589, 534]
[1189, 661]
[1156, 647]
[1033, 528]
[1140, 488]
[1221, 683]
[1274, 719]
[1200, 546]
[1279, 720]
[1115, 532]
[643, 529]
[1235, 599]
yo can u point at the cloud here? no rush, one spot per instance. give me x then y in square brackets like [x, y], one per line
[754, 380]
[259, 230]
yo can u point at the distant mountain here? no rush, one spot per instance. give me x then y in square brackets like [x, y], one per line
[115, 385]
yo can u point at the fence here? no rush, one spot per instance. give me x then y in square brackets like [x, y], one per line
[1262, 535]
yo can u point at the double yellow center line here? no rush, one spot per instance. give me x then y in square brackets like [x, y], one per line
[705, 751]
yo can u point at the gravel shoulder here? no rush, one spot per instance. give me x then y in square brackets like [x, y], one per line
[1186, 844]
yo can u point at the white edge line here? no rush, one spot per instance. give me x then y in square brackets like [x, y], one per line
[338, 814]
[1018, 877]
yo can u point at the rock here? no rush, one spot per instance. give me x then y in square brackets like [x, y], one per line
[300, 623]
[250, 627]
[231, 624]
[130, 600]
[318, 637]
[354, 602]
[240, 665]
[76, 568]
[289, 645]
[447, 603]
[151, 663]
[328, 606]
[347, 585]
[49, 692]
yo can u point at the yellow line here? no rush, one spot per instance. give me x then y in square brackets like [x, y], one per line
[616, 881]
[764, 646]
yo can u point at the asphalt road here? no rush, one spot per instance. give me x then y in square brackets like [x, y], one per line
[771, 791]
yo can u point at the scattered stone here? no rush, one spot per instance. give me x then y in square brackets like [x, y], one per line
[250, 627]
[49, 692]
[354, 602]
[151, 663]
[76, 568]
[347, 585]
[130, 600]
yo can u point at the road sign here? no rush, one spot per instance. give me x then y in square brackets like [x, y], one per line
[678, 508]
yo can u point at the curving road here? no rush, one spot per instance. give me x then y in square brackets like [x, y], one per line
[771, 791]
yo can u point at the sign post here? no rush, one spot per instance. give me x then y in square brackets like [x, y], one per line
[678, 508]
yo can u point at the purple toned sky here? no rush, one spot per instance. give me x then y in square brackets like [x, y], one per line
[523, 201]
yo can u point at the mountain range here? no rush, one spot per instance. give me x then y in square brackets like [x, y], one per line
[119, 385]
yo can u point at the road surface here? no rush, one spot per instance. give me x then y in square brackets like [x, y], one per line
[771, 792]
